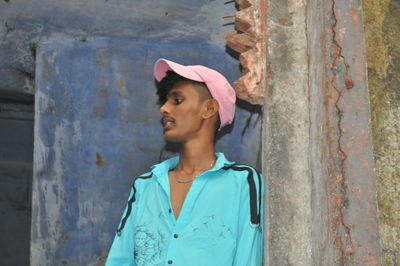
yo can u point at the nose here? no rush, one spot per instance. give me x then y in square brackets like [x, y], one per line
[164, 109]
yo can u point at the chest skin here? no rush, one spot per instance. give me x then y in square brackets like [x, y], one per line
[178, 192]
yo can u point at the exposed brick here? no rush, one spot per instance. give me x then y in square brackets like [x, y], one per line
[249, 39]
[240, 42]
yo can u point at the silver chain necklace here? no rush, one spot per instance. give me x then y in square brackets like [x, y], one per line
[190, 180]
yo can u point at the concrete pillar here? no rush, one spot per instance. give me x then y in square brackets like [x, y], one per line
[317, 148]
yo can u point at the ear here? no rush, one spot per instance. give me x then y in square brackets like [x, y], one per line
[211, 108]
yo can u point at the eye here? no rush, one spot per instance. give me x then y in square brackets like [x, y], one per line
[178, 101]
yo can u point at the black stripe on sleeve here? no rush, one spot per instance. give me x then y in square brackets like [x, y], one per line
[259, 193]
[254, 214]
[130, 202]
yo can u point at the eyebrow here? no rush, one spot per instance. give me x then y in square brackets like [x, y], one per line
[174, 93]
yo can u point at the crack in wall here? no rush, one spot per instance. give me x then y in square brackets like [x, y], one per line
[345, 241]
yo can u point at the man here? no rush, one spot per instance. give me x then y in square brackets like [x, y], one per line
[197, 208]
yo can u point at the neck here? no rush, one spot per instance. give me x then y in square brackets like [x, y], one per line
[197, 156]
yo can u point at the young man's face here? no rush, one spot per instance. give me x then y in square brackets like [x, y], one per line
[182, 113]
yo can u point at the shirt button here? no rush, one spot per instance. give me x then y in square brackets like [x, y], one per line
[175, 235]
[170, 262]
[169, 210]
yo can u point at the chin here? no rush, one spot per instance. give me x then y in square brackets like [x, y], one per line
[171, 137]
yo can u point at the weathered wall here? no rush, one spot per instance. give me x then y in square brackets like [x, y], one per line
[382, 31]
[23, 23]
[96, 127]
[96, 122]
[316, 150]
[317, 154]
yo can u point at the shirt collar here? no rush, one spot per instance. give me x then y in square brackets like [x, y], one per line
[167, 165]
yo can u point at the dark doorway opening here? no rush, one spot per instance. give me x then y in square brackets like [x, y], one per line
[16, 170]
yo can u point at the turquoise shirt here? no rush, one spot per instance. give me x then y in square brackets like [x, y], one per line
[220, 223]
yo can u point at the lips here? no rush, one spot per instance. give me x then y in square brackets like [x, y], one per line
[167, 122]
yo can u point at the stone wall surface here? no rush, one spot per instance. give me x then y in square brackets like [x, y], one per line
[382, 30]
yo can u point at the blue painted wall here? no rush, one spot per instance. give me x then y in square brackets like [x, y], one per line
[88, 63]
[97, 126]
[25, 23]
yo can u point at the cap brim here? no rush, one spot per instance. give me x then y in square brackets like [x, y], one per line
[163, 65]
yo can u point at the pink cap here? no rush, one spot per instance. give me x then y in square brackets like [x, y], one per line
[217, 84]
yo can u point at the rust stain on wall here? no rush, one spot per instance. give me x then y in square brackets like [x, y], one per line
[99, 160]
[249, 39]
[352, 187]
[343, 238]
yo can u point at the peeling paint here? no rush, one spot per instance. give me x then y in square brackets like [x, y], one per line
[45, 201]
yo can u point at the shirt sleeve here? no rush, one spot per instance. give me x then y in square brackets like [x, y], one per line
[122, 249]
[250, 240]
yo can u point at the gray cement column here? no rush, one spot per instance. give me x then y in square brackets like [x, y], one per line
[317, 149]
[287, 138]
